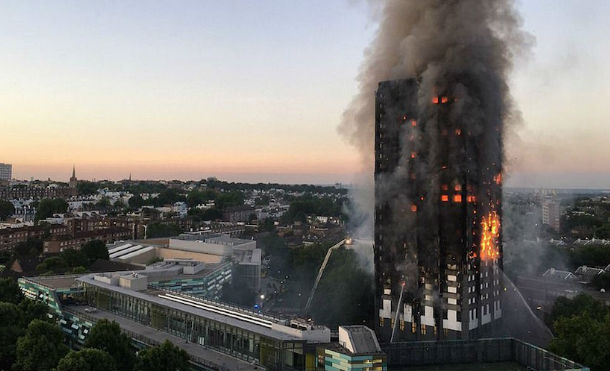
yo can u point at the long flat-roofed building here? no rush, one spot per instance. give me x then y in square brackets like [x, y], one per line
[139, 302]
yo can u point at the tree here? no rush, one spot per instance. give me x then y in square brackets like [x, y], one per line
[47, 207]
[268, 225]
[29, 248]
[6, 209]
[94, 250]
[164, 357]
[32, 310]
[107, 336]
[582, 331]
[74, 258]
[10, 291]
[227, 199]
[564, 307]
[583, 339]
[10, 331]
[195, 198]
[87, 360]
[54, 264]
[103, 203]
[86, 188]
[41, 348]
[135, 202]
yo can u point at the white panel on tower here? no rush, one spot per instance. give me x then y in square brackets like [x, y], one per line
[386, 311]
[408, 313]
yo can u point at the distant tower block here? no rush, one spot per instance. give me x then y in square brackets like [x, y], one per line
[438, 253]
[73, 180]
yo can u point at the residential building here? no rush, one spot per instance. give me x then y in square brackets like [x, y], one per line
[551, 212]
[357, 350]
[438, 252]
[75, 240]
[6, 172]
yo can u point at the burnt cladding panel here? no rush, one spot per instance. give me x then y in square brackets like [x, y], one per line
[395, 120]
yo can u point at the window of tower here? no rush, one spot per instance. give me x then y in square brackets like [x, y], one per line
[445, 198]
[444, 100]
[413, 123]
[413, 207]
[457, 198]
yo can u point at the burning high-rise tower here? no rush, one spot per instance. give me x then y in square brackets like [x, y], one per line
[438, 253]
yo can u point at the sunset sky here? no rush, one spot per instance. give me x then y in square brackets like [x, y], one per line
[254, 90]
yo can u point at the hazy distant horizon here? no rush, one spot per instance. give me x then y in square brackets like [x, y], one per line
[515, 180]
[201, 90]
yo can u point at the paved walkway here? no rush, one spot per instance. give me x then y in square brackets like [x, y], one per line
[151, 336]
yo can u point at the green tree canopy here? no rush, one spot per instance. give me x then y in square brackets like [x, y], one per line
[164, 357]
[583, 339]
[195, 198]
[88, 359]
[74, 258]
[135, 201]
[10, 330]
[107, 336]
[87, 188]
[94, 250]
[53, 264]
[28, 248]
[227, 199]
[582, 331]
[41, 348]
[49, 206]
[6, 209]
[10, 291]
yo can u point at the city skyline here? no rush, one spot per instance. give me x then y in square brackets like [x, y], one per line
[185, 94]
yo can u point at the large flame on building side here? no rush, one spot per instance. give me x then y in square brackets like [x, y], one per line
[490, 234]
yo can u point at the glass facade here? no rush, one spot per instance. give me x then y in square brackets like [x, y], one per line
[208, 286]
[247, 345]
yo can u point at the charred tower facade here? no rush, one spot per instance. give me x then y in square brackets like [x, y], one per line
[438, 253]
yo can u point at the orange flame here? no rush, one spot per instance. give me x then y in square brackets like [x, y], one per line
[435, 100]
[490, 233]
[498, 178]
[444, 99]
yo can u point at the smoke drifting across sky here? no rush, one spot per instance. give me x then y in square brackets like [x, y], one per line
[465, 48]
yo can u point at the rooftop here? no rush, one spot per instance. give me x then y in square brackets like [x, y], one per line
[268, 326]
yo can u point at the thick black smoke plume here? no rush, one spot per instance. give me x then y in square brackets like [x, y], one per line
[459, 48]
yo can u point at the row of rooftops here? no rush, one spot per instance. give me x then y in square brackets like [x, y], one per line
[583, 274]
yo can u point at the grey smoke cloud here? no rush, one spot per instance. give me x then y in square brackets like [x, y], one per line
[461, 47]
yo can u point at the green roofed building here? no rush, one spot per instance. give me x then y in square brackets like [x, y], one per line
[357, 350]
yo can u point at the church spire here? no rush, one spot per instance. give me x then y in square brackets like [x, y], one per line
[73, 180]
